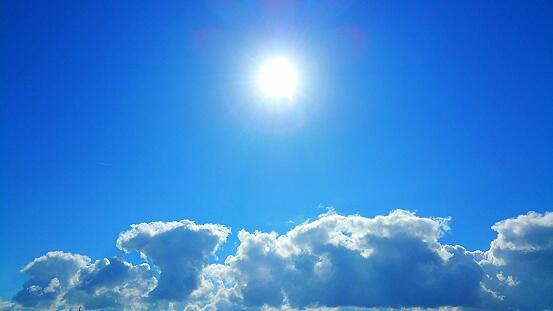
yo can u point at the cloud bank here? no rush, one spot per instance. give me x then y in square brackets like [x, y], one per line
[334, 262]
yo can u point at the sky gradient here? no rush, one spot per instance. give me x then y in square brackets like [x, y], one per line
[114, 114]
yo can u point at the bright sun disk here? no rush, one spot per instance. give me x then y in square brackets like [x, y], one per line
[278, 79]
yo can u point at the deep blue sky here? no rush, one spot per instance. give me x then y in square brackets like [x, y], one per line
[118, 113]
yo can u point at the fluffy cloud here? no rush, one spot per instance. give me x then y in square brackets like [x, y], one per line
[179, 250]
[334, 262]
[62, 280]
[519, 264]
[51, 274]
[386, 261]
[111, 284]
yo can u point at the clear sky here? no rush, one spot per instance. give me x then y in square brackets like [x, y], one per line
[120, 112]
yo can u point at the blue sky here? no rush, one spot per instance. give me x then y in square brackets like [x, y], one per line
[120, 113]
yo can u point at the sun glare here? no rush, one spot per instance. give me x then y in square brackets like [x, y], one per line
[278, 79]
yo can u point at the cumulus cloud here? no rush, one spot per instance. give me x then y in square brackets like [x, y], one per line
[386, 261]
[63, 280]
[519, 263]
[179, 250]
[51, 274]
[111, 284]
[334, 262]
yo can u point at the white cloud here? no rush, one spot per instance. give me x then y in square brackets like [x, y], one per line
[390, 261]
[519, 263]
[111, 283]
[50, 275]
[179, 250]
[335, 262]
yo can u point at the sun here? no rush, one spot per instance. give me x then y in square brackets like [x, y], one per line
[278, 78]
